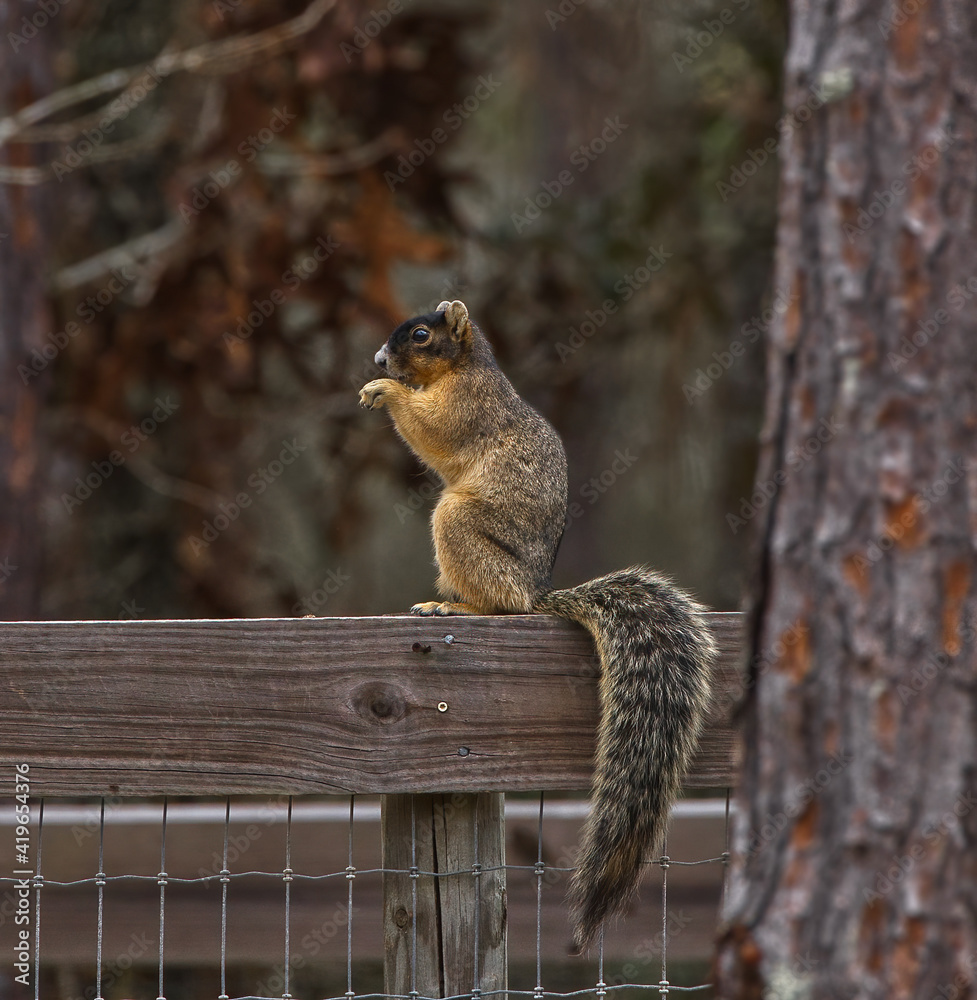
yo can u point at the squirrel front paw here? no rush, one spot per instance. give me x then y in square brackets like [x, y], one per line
[371, 395]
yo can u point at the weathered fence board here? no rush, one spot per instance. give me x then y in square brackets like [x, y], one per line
[437, 833]
[333, 705]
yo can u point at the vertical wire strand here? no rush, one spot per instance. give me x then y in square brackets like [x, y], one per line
[287, 879]
[100, 882]
[722, 901]
[38, 882]
[350, 875]
[601, 990]
[538, 991]
[162, 897]
[413, 894]
[664, 862]
[477, 876]
[225, 879]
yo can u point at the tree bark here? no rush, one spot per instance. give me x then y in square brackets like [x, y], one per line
[25, 318]
[855, 863]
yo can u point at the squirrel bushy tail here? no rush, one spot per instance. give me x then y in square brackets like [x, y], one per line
[655, 653]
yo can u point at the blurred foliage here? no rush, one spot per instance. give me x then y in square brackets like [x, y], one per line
[264, 490]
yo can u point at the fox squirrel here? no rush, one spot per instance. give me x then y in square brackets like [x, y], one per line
[497, 527]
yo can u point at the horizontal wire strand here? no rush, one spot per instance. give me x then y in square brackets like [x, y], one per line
[224, 877]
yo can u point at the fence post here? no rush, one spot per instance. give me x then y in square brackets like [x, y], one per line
[460, 918]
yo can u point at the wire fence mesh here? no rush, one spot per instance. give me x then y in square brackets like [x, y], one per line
[282, 859]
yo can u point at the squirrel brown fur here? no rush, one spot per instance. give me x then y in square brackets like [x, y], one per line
[497, 527]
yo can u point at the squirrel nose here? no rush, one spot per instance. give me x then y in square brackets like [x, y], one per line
[381, 357]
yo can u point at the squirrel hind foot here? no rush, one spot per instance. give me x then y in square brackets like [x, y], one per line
[426, 608]
[442, 608]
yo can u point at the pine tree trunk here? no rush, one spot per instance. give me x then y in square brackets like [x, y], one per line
[25, 319]
[855, 870]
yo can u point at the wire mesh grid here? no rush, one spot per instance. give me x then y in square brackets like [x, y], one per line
[541, 871]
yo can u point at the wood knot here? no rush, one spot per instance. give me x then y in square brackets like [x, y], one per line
[379, 702]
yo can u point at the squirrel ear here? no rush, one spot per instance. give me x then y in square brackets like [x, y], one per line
[456, 316]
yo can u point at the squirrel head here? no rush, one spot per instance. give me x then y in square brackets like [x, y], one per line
[426, 348]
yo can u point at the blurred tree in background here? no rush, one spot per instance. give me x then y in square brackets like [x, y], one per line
[223, 240]
[25, 312]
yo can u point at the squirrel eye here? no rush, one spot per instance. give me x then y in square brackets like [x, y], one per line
[419, 335]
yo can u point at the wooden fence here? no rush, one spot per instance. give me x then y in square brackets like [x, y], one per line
[418, 710]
